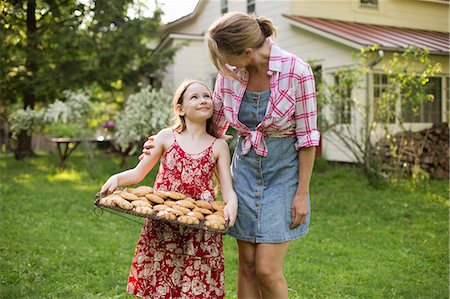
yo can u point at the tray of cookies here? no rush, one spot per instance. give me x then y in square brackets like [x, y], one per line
[167, 206]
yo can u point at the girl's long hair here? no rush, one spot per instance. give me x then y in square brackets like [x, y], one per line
[180, 123]
[232, 34]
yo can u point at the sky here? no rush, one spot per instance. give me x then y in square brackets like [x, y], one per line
[173, 9]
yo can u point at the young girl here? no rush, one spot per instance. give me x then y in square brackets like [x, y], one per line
[174, 261]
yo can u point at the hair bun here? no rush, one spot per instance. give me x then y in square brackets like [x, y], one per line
[265, 25]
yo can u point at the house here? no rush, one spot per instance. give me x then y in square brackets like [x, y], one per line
[328, 33]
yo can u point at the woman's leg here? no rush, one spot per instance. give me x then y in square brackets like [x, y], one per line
[247, 282]
[269, 259]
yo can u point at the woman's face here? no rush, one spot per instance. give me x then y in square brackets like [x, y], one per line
[238, 61]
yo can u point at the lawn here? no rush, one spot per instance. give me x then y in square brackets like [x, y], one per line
[363, 242]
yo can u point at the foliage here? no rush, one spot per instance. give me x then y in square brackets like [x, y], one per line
[67, 118]
[355, 120]
[52, 46]
[146, 113]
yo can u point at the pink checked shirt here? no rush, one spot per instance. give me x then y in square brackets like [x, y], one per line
[291, 111]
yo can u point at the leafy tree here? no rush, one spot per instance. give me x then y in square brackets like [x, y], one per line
[54, 45]
[355, 120]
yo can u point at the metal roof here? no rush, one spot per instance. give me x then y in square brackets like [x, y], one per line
[358, 35]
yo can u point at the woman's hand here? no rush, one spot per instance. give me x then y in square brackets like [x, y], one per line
[230, 212]
[299, 210]
[110, 185]
[149, 144]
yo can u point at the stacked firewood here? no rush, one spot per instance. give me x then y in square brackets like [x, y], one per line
[428, 149]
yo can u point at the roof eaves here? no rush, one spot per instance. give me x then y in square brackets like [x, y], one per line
[172, 36]
[193, 14]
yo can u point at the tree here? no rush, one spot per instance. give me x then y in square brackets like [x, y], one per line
[357, 121]
[54, 45]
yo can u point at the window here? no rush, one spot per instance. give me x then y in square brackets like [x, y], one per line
[223, 6]
[251, 6]
[428, 111]
[343, 112]
[384, 106]
[369, 3]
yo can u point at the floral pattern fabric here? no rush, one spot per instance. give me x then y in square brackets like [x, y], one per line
[173, 261]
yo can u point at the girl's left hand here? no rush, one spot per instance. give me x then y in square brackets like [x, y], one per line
[230, 212]
[299, 210]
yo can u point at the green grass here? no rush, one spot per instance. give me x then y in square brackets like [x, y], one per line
[363, 242]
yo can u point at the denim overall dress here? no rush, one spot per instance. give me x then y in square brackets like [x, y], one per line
[265, 186]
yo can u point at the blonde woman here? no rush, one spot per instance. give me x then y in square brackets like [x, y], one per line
[268, 96]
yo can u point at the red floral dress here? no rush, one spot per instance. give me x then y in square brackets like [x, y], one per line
[176, 261]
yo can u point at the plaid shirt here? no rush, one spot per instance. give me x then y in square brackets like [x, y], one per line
[291, 110]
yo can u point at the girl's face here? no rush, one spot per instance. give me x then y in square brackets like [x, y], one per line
[197, 103]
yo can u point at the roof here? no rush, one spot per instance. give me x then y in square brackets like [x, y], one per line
[357, 35]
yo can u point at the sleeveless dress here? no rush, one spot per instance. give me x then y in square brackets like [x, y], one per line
[265, 186]
[173, 261]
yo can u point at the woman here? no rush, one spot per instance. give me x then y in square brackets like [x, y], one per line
[268, 96]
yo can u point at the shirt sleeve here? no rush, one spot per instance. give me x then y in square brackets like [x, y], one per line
[218, 116]
[306, 109]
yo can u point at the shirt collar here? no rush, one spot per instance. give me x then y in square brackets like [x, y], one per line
[274, 57]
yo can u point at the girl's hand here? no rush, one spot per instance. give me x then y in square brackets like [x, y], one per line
[226, 137]
[299, 210]
[149, 144]
[230, 212]
[110, 185]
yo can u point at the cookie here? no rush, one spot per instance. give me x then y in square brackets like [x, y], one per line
[216, 218]
[220, 213]
[122, 203]
[218, 205]
[154, 198]
[169, 203]
[141, 203]
[142, 190]
[174, 211]
[176, 195]
[214, 225]
[203, 211]
[143, 210]
[180, 208]
[128, 195]
[166, 215]
[188, 220]
[190, 199]
[185, 204]
[203, 204]
[197, 215]
[160, 193]
[108, 200]
[160, 208]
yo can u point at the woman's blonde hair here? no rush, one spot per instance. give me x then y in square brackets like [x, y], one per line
[232, 34]
[180, 123]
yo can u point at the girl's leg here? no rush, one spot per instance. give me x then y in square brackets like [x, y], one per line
[247, 282]
[269, 259]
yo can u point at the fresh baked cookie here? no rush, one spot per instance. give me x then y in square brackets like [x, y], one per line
[143, 210]
[174, 211]
[154, 198]
[176, 195]
[142, 190]
[166, 215]
[190, 199]
[169, 203]
[220, 213]
[188, 219]
[182, 209]
[214, 225]
[127, 195]
[122, 203]
[162, 194]
[185, 204]
[141, 203]
[160, 208]
[197, 215]
[203, 204]
[203, 211]
[218, 205]
[216, 218]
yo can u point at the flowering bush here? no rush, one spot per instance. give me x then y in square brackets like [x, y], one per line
[146, 112]
[59, 119]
